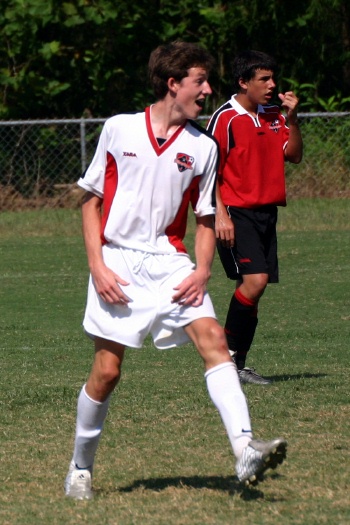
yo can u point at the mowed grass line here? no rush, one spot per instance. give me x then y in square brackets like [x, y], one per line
[164, 457]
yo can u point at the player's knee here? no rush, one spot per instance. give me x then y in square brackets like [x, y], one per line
[110, 375]
[102, 382]
[213, 338]
[256, 285]
[214, 349]
[106, 378]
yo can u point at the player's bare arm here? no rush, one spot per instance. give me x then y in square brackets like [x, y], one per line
[224, 227]
[294, 150]
[107, 283]
[190, 291]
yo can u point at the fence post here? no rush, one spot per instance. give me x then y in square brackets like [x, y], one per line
[83, 145]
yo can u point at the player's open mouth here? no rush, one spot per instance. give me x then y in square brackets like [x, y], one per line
[200, 102]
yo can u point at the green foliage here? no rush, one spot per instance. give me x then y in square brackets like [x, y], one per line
[311, 101]
[59, 59]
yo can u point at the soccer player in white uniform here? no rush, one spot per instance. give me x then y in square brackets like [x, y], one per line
[147, 169]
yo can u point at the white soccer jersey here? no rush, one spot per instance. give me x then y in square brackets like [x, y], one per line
[147, 188]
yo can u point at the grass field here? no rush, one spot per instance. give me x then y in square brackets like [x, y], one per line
[164, 458]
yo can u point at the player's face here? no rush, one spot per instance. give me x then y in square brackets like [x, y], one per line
[192, 92]
[260, 88]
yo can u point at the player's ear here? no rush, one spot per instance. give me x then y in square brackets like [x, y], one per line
[243, 84]
[173, 85]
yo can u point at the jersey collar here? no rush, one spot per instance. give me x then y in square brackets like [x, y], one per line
[160, 149]
[240, 109]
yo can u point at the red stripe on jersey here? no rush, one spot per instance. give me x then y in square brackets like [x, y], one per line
[177, 229]
[110, 188]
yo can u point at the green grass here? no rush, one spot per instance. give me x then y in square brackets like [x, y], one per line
[164, 457]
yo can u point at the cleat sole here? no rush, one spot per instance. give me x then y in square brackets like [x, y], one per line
[274, 458]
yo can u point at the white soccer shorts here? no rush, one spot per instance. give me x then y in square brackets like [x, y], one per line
[152, 280]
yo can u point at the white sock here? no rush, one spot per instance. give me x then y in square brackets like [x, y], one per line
[226, 393]
[91, 415]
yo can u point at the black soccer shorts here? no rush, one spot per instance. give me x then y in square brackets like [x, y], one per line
[255, 247]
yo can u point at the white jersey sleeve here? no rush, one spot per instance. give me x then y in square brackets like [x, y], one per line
[206, 199]
[95, 174]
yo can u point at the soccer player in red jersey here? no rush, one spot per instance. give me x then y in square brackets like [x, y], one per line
[254, 141]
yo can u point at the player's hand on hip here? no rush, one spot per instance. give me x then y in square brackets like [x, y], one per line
[190, 292]
[108, 286]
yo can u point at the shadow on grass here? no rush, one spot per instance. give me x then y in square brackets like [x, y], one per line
[294, 377]
[228, 484]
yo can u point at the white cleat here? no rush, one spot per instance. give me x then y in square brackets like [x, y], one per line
[259, 456]
[78, 483]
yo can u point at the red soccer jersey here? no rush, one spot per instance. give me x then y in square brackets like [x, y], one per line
[251, 172]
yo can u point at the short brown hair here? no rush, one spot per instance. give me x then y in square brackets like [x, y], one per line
[174, 60]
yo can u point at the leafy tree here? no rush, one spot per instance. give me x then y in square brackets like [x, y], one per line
[66, 59]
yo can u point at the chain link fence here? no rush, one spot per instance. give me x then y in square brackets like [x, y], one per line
[41, 160]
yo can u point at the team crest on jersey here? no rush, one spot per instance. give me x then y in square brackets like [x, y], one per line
[184, 162]
[275, 125]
